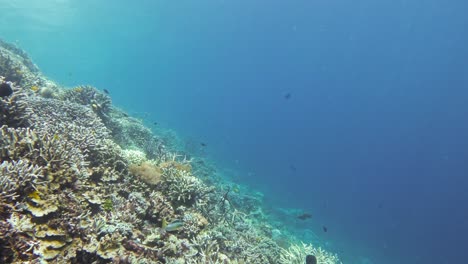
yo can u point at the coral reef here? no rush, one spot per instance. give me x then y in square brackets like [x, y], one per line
[296, 254]
[17, 67]
[83, 182]
[146, 172]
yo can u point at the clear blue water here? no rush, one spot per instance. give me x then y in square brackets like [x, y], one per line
[372, 142]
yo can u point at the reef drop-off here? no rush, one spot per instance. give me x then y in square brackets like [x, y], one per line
[81, 181]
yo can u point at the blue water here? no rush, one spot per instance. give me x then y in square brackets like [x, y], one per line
[372, 141]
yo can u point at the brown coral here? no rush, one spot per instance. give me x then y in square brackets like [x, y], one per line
[147, 173]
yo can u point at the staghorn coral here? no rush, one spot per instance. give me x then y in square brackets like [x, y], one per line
[81, 126]
[14, 63]
[17, 142]
[17, 178]
[67, 195]
[194, 223]
[296, 254]
[160, 207]
[11, 107]
[59, 160]
[17, 67]
[183, 188]
[130, 133]
[16, 241]
[134, 156]
[74, 125]
[90, 97]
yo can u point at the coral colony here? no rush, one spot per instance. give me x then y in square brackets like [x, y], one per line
[83, 182]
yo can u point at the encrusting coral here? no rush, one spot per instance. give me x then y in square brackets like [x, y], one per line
[82, 182]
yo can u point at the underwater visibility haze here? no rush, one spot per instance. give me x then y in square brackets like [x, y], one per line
[347, 119]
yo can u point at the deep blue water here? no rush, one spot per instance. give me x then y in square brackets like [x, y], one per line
[373, 140]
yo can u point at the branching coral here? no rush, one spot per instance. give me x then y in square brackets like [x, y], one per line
[132, 156]
[181, 187]
[17, 67]
[17, 178]
[129, 132]
[296, 254]
[194, 223]
[73, 126]
[59, 160]
[17, 143]
[160, 207]
[68, 192]
[91, 97]
[11, 107]
[16, 241]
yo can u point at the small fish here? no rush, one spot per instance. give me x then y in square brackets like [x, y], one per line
[34, 195]
[287, 96]
[202, 144]
[325, 229]
[106, 91]
[155, 123]
[293, 168]
[304, 216]
[35, 88]
[172, 226]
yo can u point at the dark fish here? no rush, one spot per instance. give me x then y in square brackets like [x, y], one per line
[311, 259]
[325, 229]
[106, 91]
[380, 205]
[202, 144]
[155, 123]
[293, 168]
[287, 96]
[304, 216]
[5, 90]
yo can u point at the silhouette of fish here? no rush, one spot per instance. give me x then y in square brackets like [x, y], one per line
[202, 144]
[106, 91]
[287, 96]
[5, 90]
[380, 205]
[325, 229]
[304, 216]
[293, 168]
[311, 259]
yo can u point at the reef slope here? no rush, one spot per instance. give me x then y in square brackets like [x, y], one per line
[83, 182]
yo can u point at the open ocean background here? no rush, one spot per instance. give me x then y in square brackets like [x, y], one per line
[373, 141]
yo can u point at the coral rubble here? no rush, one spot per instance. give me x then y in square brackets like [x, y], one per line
[83, 182]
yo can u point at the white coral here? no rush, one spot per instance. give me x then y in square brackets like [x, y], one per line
[296, 254]
[134, 156]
